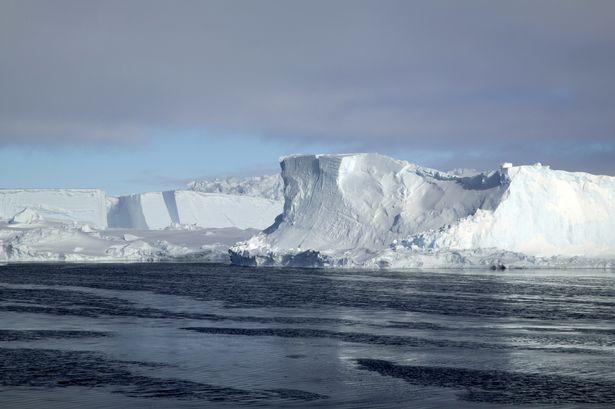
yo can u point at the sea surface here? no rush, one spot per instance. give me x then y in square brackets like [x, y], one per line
[198, 335]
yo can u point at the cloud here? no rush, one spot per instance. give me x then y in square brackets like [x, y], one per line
[378, 75]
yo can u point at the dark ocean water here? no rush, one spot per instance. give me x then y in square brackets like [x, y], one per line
[190, 335]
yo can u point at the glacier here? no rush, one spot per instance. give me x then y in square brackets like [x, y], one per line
[369, 210]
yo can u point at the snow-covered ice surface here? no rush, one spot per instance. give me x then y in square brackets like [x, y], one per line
[80, 205]
[369, 210]
[54, 241]
[158, 210]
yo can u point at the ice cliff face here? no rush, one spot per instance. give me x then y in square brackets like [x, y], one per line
[371, 210]
[158, 210]
[269, 186]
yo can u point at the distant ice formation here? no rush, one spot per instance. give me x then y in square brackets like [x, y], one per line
[82, 225]
[79, 205]
[268, 186]
[151, 210]
[369, 210]
[160, 210]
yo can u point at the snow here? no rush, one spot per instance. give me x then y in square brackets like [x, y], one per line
[56, 241]
[243, 204]
[269, 186]
[160, 210]
[369, 210]
[225, 210]
[130, 237]
[26, 216]
[464, 172]
[81, 205]
[543, 213]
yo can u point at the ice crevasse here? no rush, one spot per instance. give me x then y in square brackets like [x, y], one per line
[366, 210]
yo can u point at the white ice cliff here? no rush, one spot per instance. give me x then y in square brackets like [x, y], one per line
[158, 210]
[369, 210]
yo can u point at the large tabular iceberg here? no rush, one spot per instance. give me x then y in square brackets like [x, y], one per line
[369, 210]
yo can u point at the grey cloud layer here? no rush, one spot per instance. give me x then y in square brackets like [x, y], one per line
[375, 75]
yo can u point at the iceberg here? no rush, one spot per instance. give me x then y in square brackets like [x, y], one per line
[369, 210]
[350, 211]
[160, 210]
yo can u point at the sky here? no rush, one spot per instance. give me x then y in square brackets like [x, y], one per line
[139, 95]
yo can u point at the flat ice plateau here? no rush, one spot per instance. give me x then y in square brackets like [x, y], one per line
[369, 210]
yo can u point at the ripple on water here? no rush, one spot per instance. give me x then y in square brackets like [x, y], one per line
[46, 368]
[495, 386]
